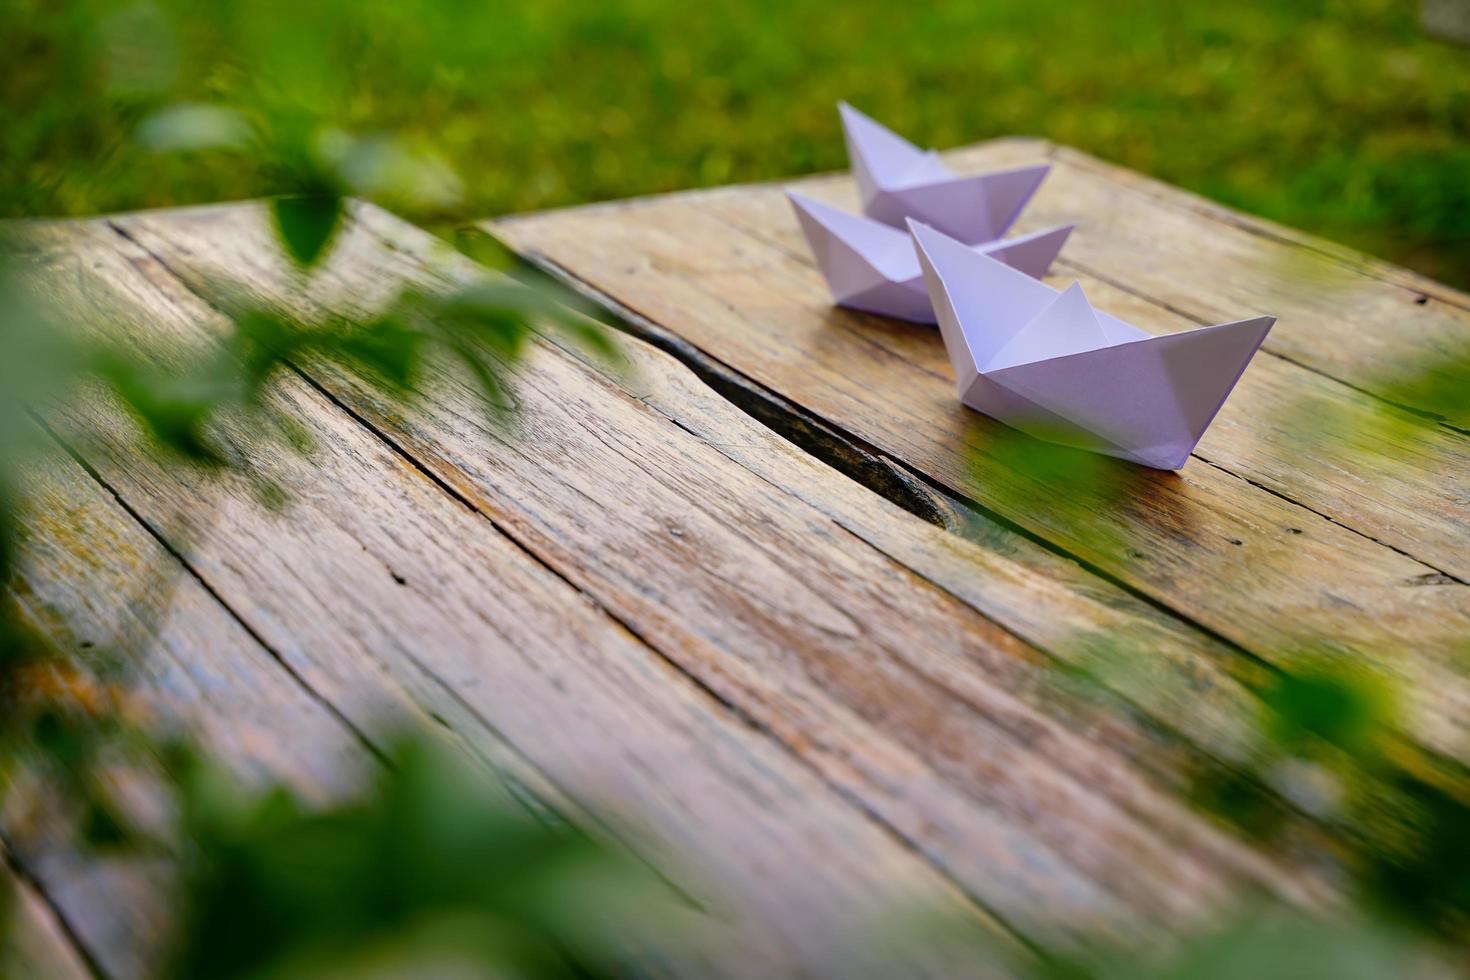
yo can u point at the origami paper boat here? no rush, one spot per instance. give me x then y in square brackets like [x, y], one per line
[870, 266]
[898, 181]
[1051, 365]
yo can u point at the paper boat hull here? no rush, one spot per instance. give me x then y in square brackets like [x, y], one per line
[1146, 399]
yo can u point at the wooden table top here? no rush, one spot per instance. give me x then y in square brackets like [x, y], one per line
[766, 599]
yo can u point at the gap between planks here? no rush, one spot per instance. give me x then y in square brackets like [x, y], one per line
[923, 496]
[527, 785]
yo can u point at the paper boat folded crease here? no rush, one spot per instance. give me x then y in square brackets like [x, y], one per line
[897, 181]
[1051, 365]
[869, 262]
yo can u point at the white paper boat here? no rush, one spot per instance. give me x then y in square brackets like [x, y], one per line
[1051, 365]
[897, 181]
[872, 267]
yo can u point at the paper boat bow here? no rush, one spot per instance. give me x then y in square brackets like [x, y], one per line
[898, 181]
[870, 266]
[1051, 365]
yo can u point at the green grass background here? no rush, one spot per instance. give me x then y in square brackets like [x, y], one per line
[1341, 118]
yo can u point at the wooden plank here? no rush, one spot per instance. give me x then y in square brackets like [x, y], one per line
[1246, 562]
[1315, 441]
[377, 578]
[948, 729]
[96, 584]
[33, 942]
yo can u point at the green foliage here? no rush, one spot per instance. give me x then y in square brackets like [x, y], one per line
[1277, 947]
[1340, 116]
[429, 865]
[1423, 876]
[423, 870]
[306, 224]
[1326, 742]
[1320, 703]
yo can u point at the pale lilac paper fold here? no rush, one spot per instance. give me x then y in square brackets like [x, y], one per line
[869, 262]
[898, 181]
[1052, 365]
[872, 267]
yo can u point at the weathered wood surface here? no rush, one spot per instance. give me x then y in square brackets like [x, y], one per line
[377, 582]
[905, 745]
[1283, 535]
[951, 731]
[734, 642]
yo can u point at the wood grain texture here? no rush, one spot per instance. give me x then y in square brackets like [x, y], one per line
[950, 731]
[133, 621]
[377, 580]
[1278, 540]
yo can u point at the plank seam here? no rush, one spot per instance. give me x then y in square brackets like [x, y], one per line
[1197, 205]
[733, 708]
[1332, 520]
[1065, 262]
[1207, 764]
[1194, 203]
[962, 512]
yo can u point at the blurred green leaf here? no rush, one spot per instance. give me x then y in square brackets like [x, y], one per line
[1289, 947]
[386, 169]
[102, 827]
[187, 127]
[8, 901]
[1423, 878]
[263, 340]
[430, 847]
[174, 409]
[1343, 708]
[306, 224]
[388, 349]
